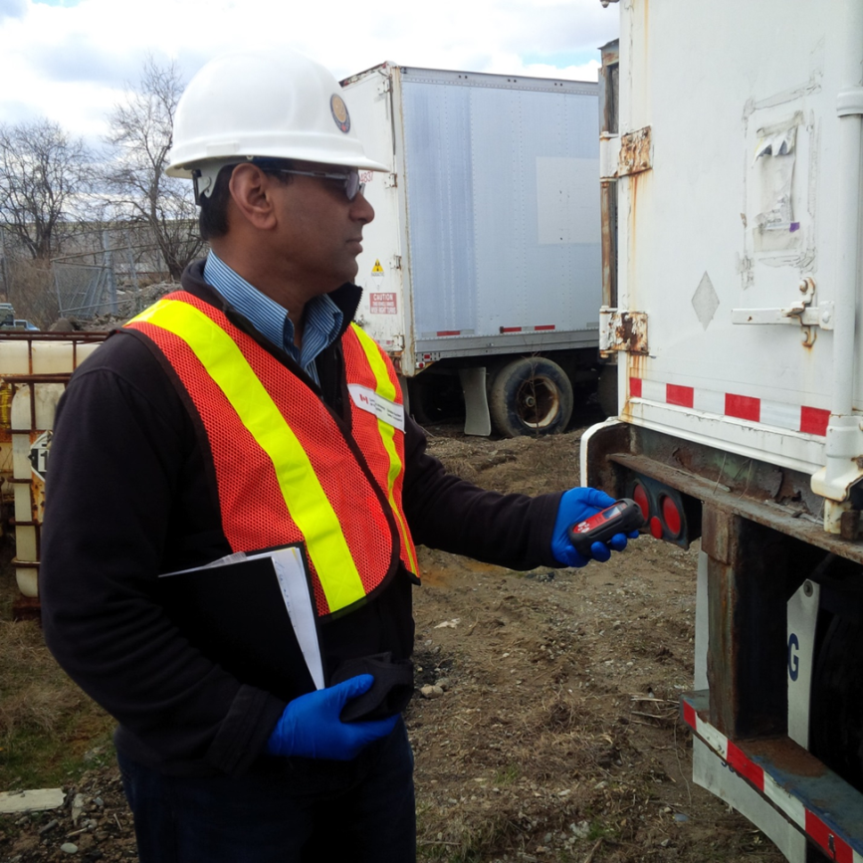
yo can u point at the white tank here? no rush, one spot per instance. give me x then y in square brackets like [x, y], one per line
[34, 371]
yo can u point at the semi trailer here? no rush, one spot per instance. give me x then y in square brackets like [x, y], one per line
[733, 168]
[482, 267]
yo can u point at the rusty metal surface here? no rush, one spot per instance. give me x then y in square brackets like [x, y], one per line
[608, 215]
[635, 152]
[770, 514]
[747, 567]
[39, 336]
[835, 803]
[623, 331]
[760, 492]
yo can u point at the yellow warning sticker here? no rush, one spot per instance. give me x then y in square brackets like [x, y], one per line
[377, 269]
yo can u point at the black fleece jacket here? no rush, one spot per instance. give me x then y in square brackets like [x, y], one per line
[131, 493]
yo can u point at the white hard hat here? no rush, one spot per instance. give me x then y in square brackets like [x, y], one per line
[266, 103]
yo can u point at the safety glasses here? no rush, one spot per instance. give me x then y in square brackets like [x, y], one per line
[351, 179]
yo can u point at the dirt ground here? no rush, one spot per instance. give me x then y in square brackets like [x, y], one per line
[545, 724]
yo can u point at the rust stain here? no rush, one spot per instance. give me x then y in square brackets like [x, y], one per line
[635, 152]
[646, 16]
[786, 755]
[609, 279]
[633, 221]
[636, 366]
[631, 332]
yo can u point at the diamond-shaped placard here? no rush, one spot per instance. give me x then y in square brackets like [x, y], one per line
[705, 301]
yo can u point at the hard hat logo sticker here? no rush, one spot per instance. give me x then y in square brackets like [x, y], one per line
[340, 112]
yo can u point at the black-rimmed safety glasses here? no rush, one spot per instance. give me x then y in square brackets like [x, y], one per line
[351, 179]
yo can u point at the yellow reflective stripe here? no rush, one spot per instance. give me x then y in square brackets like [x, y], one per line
[384, 387]
[304, 497]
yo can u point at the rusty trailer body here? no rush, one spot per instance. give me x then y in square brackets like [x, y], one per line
[733, 309]
[34, 370]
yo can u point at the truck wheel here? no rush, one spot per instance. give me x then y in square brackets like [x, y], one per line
[531, 395]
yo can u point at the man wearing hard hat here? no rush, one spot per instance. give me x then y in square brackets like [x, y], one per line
[246, 412]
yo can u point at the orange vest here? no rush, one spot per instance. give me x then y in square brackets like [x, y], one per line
[288, 470]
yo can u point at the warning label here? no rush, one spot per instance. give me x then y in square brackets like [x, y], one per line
[377, 269]
[382, 303]
[38, 455]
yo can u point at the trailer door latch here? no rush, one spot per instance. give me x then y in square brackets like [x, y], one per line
[804, 312]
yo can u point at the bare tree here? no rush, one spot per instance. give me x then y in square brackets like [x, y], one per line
[44, 178]
[136, 185]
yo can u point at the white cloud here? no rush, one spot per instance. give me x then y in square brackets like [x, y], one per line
[71, 62]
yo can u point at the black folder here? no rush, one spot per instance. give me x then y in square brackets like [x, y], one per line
[236, 616]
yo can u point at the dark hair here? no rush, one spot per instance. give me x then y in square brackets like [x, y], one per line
[213, 215]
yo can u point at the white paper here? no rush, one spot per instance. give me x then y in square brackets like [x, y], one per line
[291, 572]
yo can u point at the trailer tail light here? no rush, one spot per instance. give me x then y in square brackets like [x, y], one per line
[639, 495]
[669, 514]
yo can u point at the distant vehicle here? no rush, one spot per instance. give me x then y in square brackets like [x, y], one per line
[8, 321]
[482, 266]
[737, 168]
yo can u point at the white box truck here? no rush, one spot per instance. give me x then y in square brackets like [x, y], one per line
[737, 167]
[483, 263]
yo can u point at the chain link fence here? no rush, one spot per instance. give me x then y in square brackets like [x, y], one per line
[102, 271]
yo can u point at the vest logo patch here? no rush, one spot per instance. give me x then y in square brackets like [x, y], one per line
[368, 400]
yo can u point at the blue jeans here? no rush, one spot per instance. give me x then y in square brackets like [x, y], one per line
[285, 810]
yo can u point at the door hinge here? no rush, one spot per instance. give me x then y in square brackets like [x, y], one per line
[622, 331]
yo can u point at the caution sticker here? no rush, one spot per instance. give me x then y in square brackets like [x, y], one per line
[383, 303]
[368, 400]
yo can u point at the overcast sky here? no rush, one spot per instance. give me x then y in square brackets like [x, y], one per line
[70, 60]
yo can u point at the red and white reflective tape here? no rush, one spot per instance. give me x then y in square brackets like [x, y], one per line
[798, 418]
[541, 328]
[836, 847]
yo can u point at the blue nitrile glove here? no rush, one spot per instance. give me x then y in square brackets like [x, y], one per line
[310, 725]
[576, 505]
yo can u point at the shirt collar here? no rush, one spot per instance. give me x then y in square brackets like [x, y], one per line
[265, 315]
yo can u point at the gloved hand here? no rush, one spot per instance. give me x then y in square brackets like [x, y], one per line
[576, 505]
[310, 725]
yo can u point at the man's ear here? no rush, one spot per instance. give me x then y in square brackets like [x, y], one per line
[251, 195]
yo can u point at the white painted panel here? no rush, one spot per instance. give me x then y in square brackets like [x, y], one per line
[711, 772]
[567, 200]
[25, 542]
[23, 502]
[695, 212]
[802, 619]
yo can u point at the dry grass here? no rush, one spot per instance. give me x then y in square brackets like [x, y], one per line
[47, 724]
[35, 695]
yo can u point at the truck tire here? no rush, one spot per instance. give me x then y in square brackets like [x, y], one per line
[530, 396]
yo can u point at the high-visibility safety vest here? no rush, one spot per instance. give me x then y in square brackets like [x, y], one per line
[288, 469]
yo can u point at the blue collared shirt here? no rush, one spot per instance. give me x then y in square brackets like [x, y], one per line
[323, 318]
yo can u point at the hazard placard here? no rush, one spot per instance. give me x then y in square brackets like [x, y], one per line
[383, 303]
[39, 454]
[377, 269]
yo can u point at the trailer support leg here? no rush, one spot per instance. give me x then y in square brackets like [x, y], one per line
[477, 419]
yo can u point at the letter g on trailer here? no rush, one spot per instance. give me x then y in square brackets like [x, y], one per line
[736, 165]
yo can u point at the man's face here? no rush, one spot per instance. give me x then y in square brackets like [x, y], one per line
[319, 232]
